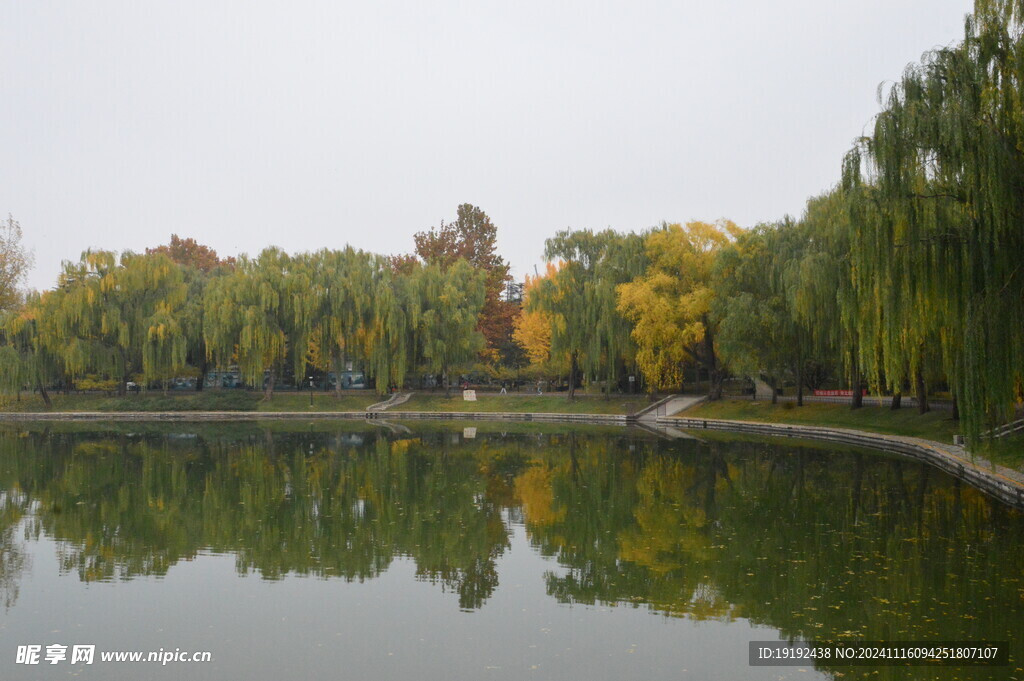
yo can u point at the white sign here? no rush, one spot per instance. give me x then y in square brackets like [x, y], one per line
[469, 433]
[469, 395]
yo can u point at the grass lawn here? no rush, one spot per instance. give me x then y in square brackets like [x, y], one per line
[241, 400]
[552, 404]
[30, 402]
[935, 425]
[1007, 451]
[322, 401]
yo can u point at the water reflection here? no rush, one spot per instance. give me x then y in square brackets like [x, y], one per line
[814, 543]
[13, 558]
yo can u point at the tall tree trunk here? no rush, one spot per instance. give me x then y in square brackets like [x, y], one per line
[800, 383]
[42, 393]
[122, 388]
[447, 382]
[956, 408]
[775, 390]
[801, 364]
[922, 393]
[897, 400]
[573, 369]
[338, 363]
[268, 392]
[715, 375]
[857, 400]
[204, 365]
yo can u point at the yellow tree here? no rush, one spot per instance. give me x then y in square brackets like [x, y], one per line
[533, 326]
[670, 304]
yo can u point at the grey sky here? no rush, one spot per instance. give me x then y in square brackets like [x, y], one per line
[310, 124]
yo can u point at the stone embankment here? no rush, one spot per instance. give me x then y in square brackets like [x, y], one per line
[618, 419]
[1003, 483]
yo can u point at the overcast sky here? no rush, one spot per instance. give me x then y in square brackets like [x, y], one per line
[311, 124]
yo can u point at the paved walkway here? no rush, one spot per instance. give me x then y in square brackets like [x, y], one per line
[673, 404]
[394, 400]
[763, 391]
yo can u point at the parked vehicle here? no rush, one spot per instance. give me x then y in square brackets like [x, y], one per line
[350, 380]
[230, 378]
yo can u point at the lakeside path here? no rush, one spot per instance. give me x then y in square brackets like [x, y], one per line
[1003, 483]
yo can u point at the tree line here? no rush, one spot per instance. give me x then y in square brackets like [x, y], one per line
[162, 314]
[902, 277]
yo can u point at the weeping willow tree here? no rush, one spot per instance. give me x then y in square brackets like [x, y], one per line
[822, 288]
[249, 317]
[115, 317]
[451, 300]
[586, 327]
[946, 163]
[902, 320]
[25, 360]
[627, 259]
[759, 329]
[334, 307]
[392, 341]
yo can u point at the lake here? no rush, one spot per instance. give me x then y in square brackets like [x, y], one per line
[488, 551]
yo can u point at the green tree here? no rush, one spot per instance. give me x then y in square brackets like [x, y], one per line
[116, 316]
[945, 164]
[393, 339]
[825, 294]
[199, 264]
[473, 237]
[334, 306]
[757, 280]
[451, 303]
[249, 318]
[586, 327]
[24, 359]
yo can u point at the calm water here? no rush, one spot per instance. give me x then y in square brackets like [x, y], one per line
[359, 551]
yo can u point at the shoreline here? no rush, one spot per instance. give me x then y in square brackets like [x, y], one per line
[622, 419]
[1004, 484]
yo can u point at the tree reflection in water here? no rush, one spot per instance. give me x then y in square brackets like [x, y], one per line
[819, 544]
